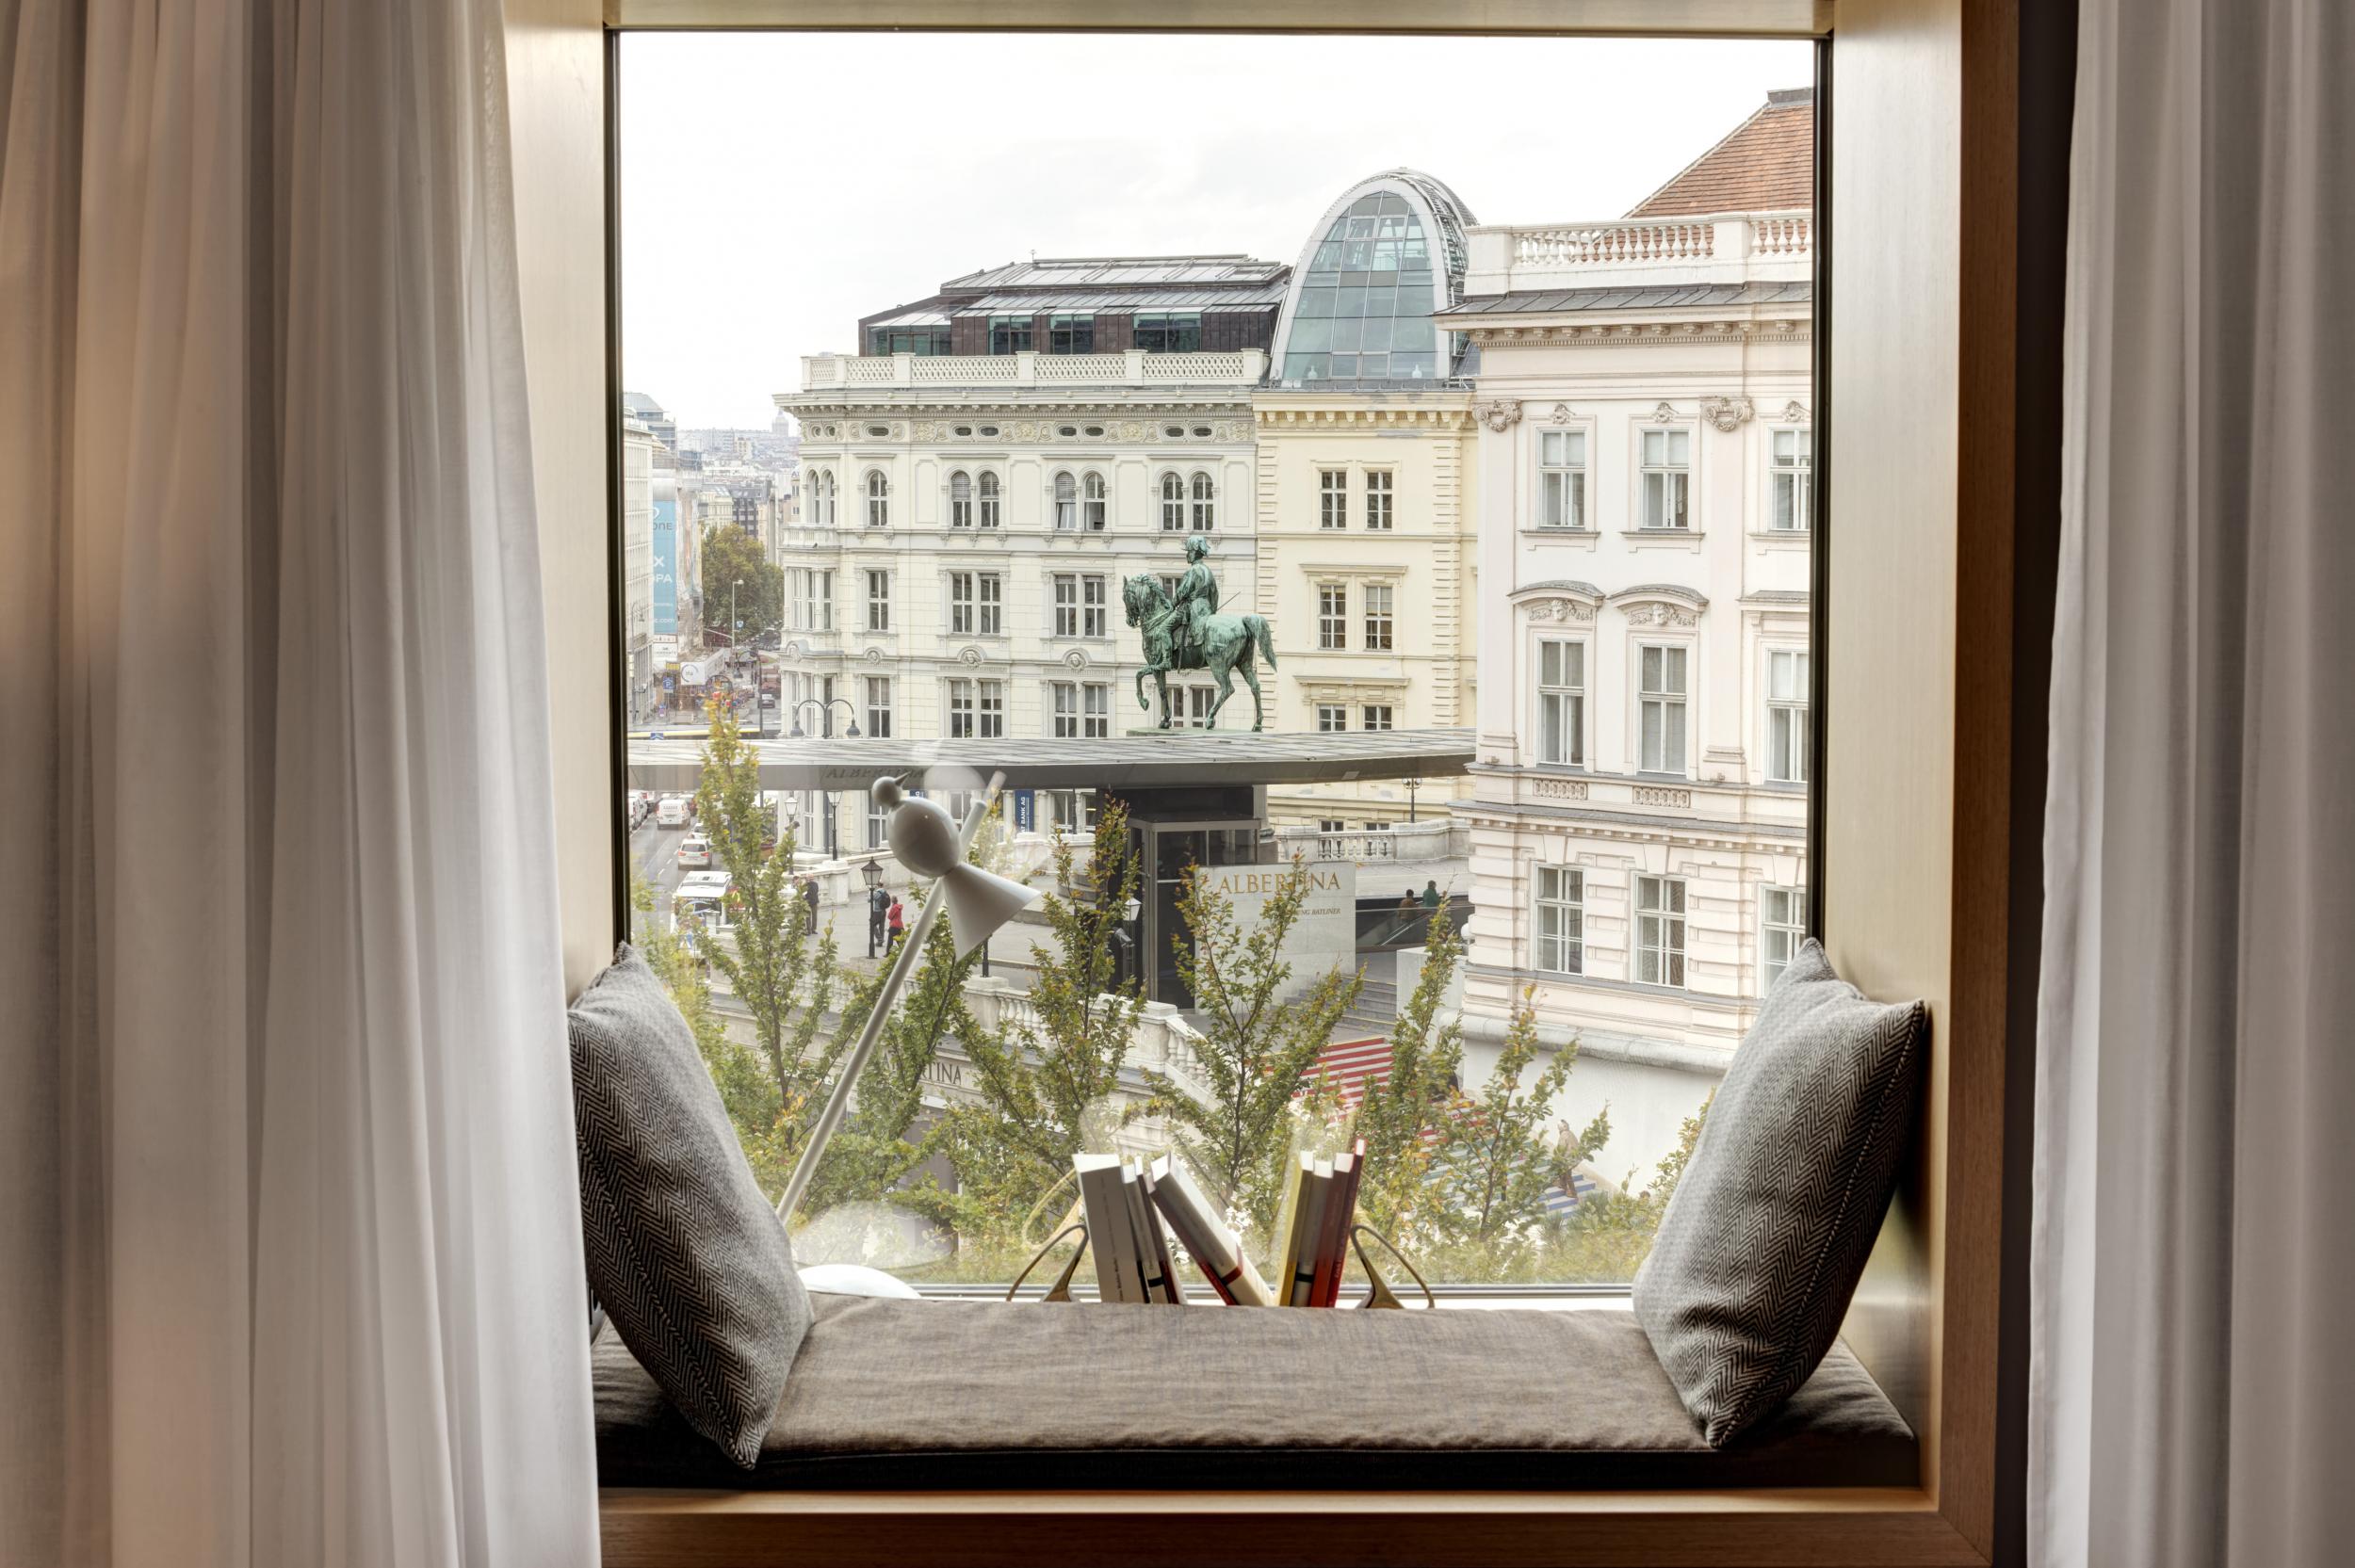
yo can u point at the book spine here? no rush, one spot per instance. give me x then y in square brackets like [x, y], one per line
[1301, 1290]
[1152, 1282]
[1286, 1255]
[1170, 1198]
[1099, 1201]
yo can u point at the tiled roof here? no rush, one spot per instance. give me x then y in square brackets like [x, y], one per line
[1766, 165]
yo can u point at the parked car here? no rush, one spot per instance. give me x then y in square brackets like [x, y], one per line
[695, 851]
[641, 806]
[673, 811]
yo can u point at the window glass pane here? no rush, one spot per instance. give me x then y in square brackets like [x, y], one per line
[1434, 535]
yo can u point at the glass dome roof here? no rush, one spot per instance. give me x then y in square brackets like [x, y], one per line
[1389, 255]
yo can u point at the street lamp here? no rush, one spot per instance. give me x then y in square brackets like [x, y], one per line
[1412, 786]
[870, 872]
[825, 707]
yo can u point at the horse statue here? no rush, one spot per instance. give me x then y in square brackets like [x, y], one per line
[1221, 644]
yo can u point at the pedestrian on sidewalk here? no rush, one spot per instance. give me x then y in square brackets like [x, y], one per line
[897, 922]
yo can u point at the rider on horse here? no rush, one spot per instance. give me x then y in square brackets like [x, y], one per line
[1199, 586]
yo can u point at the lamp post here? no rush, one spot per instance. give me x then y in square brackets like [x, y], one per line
[736, 628]
[870, 873]
[825, 707]
[1412, 786]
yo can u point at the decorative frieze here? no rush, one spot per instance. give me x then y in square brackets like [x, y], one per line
[1728, 414]
[1500, 414]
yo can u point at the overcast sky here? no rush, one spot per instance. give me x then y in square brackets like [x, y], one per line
[777, 187]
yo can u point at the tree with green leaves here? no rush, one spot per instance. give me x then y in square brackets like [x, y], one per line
[1260, 1037]
[1405, 1113]
[871, 1152]
[782, 973]
[1047, 1074]
[1500, 1156]
[730, 556]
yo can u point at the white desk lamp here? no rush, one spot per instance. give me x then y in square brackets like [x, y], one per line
[925, 839]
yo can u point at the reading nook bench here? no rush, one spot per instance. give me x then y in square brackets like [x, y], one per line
[938, 1395]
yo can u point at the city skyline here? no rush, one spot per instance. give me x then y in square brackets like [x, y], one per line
[718, 304]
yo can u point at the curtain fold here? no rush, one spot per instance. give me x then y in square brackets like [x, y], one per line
[289, 1257]
[2193, 1250]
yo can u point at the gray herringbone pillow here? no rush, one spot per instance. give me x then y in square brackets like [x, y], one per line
[688, 1260]
[1751, 1273]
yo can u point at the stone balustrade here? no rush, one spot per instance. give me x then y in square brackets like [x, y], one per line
[1726, 248]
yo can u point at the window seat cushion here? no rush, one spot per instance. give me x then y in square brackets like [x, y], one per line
[933, 1395]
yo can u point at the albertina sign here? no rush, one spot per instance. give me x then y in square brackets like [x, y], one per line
[1325, 938]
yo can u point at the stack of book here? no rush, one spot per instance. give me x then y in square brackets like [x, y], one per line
[1125, 1203]
[1312, 1226]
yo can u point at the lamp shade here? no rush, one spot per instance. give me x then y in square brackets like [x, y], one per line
[923, 838]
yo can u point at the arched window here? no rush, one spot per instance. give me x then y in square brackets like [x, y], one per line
[960, 500]
[1205, 506]
[1067, 502]
[827, 503]
[989, 500]
[1092, 514]
[1173, 504]
[878, 500]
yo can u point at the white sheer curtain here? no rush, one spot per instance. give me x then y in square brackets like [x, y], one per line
[2194, 1255]
[289, 1249]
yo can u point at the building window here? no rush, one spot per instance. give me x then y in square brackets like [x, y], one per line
[989, 488]
[1205, 496]
[908, 340]
[1562, 478]
[879, 601]
[1332, 615]
[1782, 926]
[878, 500]
[976, 604]
[1071, 334]
[1786, 715]
[817, 600]
[1660, 931]
[959, 710]
[1378, 618]
[1066, 605]
[1067, 502]
[1098, 709]
[1168, 332]
[959, 499]
[1066, 697]
[1377, 716]
[878, 826]
[1661, 697]
[1562, 702]
[1331, 824]
[1092, 506]
[1561, 920]
[878, 692]
[1334, 486]
[1793, 476]
[1668, 478]
[1009, 335]
[1190, 707]
[1332, 718]
[1092, 598]
[821, 493]
[1378, 499]
[1173, 504]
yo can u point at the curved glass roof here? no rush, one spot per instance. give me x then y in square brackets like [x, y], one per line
[1390, 253]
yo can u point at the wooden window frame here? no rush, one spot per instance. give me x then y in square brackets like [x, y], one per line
[1948, 156]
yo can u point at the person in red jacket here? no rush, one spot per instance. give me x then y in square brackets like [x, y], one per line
[896, 923]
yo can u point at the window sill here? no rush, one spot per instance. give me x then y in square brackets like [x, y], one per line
[1567, 536]
[1663, 535]
[1795, 538]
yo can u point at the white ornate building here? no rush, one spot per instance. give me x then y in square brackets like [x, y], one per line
[1638, 804]
[968, 518]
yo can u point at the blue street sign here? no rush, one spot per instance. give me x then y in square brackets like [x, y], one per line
[1026, 810]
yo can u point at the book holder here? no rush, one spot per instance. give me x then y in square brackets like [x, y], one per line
[1380, 1296]
[1061, 1289]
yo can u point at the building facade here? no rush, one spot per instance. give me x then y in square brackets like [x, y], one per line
[640, 682]
[1638, 805]
[974, 497]
[1365, 498]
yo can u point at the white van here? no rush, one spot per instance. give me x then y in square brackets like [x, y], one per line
[705, 896]
[670, 812]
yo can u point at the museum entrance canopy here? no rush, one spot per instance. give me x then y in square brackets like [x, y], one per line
[1177, 760]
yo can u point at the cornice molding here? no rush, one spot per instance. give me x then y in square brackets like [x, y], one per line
[1653, 334]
